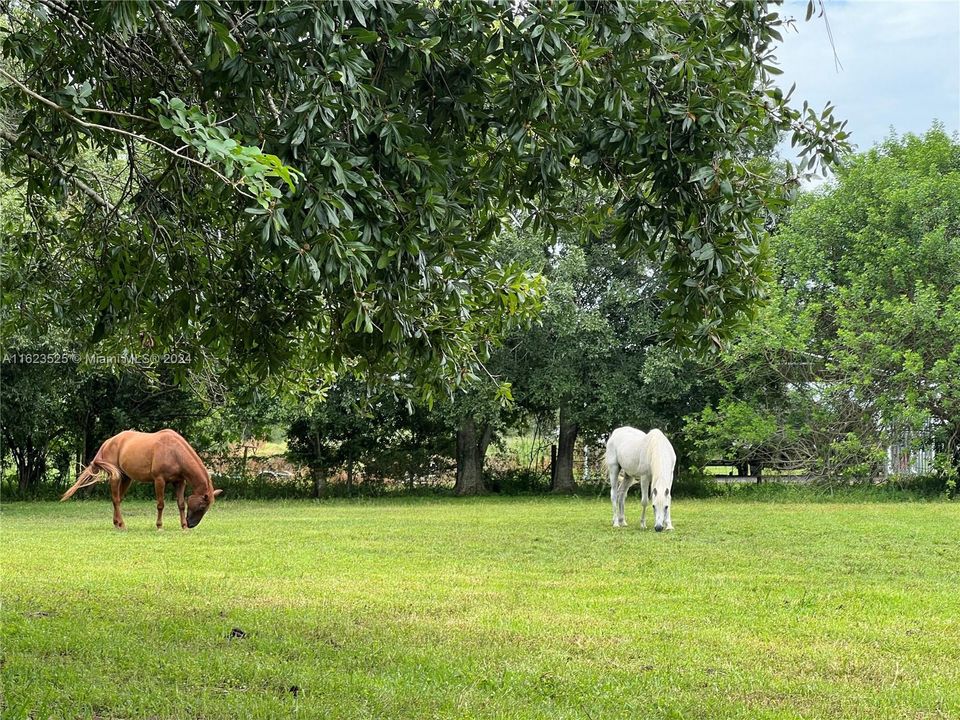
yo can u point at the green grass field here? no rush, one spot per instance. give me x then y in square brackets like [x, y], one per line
[497, 607]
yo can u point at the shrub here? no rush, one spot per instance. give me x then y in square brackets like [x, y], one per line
[518, 481]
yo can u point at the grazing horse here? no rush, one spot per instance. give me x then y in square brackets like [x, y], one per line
[649, 458]
[162, 458]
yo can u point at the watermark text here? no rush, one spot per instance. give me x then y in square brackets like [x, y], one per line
[91, 358]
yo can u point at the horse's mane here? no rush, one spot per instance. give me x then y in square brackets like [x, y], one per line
[662, 457]
[194, 460]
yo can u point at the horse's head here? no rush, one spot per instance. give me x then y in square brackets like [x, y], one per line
[198, 504]
[661, 504]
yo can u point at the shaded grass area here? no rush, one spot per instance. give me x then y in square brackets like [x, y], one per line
[523, 481]
[922, 488]
[493, 607]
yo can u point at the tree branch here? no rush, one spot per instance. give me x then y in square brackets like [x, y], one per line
[273, 107]
[76, 182]
[119, 131]
[177, 48]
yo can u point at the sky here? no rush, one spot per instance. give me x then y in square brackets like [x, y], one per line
[900, 64]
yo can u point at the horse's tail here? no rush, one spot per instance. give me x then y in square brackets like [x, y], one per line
[92, 475]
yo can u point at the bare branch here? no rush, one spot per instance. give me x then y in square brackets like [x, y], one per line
[273, 107]
[177, 48]
[103, 111]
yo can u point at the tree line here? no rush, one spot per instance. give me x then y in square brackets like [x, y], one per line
[857, 345]
[455, 216]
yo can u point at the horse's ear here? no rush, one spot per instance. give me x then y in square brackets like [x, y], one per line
[217, 492]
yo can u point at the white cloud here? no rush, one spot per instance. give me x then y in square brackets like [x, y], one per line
[900, 64]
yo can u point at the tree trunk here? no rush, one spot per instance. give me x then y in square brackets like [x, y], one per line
[63, 469]
[563, 477]
[953, 449]
[349, 478]
[471, 450]
[89, 449]
[31, 465]
[319, 482]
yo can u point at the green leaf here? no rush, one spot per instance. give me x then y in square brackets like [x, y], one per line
[362, 35]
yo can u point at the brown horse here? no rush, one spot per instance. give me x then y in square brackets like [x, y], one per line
[162, 458]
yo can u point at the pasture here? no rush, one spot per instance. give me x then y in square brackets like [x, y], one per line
[492, 607]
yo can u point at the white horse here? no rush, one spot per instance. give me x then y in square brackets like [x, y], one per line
[649, 458]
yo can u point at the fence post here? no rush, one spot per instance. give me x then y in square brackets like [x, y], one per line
[553, 465]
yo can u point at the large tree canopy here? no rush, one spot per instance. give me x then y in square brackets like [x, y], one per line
[597, 361]
[314, 185]
[877, 263]
[861, 344]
